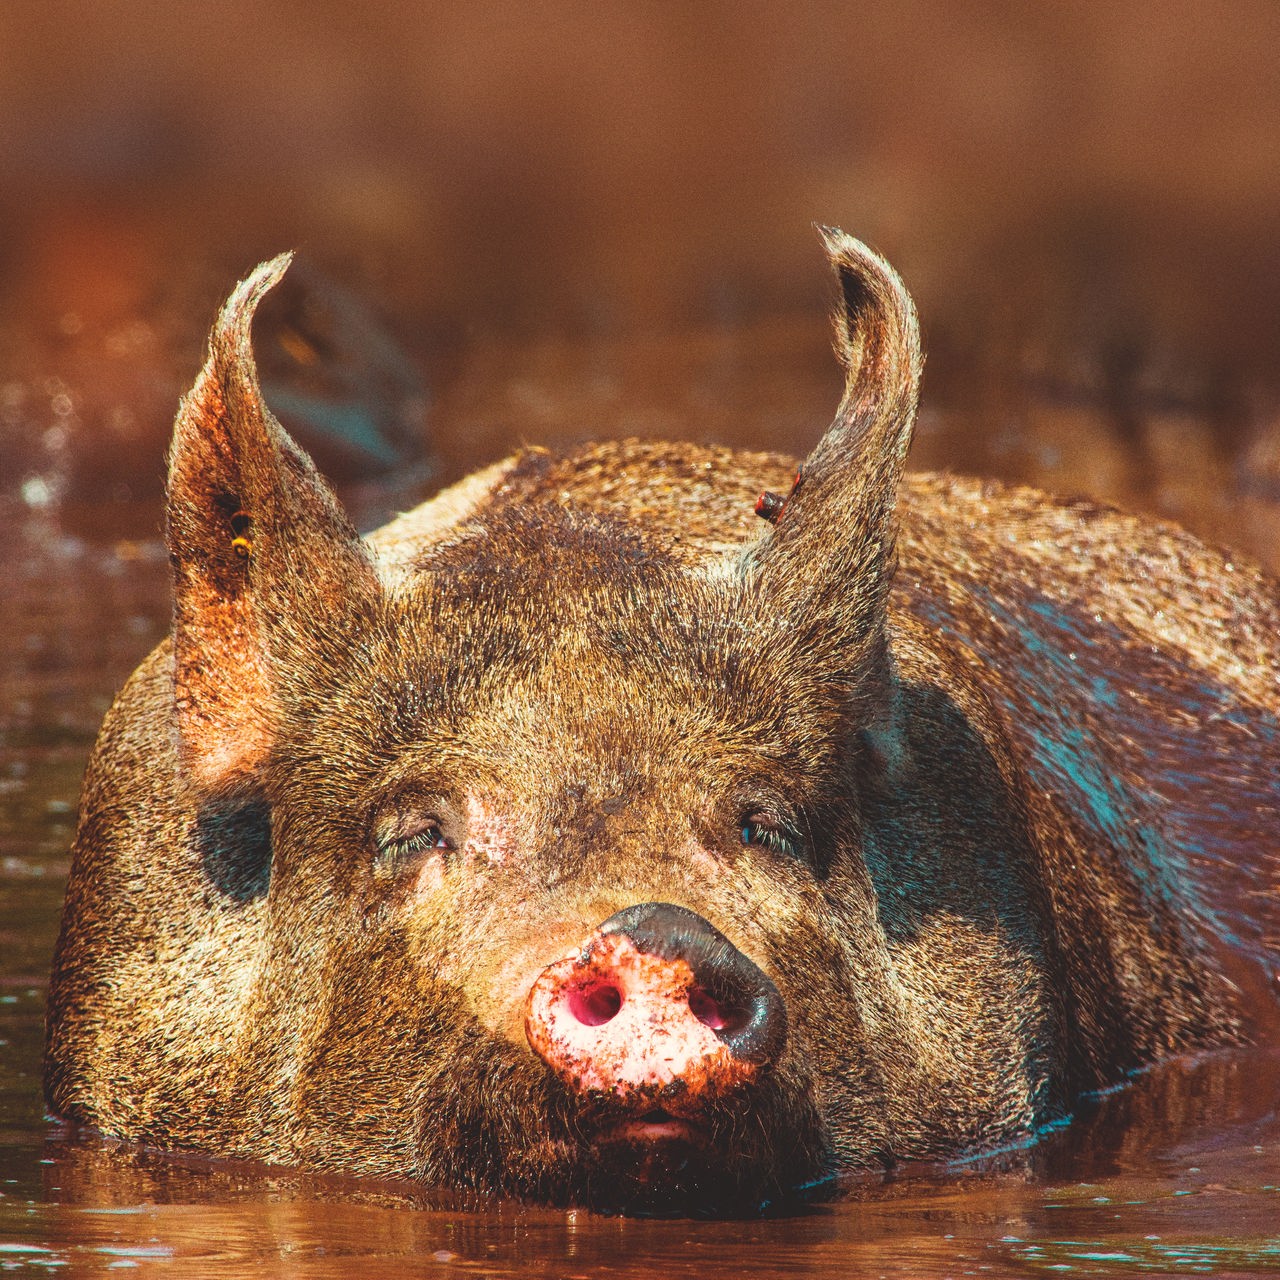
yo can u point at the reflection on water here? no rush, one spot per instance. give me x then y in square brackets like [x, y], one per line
[1177, 1174]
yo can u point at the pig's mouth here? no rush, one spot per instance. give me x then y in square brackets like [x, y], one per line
[655, 1127]
[648, 1155]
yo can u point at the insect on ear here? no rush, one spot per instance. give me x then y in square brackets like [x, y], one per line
[770, 506]
[241, 524]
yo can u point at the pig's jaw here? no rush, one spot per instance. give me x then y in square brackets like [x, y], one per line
[763, 1152]
[672, 1167]
[656, 1126]
[521, 1132]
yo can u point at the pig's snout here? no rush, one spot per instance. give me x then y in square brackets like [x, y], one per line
[657, 1007]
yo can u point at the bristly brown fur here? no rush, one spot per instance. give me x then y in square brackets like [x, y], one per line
[1027, 750]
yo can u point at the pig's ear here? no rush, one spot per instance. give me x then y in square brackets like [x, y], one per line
[268, 572]
[826, 565]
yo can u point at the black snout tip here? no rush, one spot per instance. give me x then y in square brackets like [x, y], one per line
[733, 995]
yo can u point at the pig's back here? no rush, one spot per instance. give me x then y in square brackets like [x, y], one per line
[1134, 668]
[1149, 582]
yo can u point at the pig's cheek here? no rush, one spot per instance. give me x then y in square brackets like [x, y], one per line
[489, 845]
[702, 864]
[491, 834]
[441, 866]
[431, 875]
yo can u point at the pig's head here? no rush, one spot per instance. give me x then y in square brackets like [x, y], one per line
[579, 845]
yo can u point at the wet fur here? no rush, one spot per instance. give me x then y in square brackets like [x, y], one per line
[1030, 747]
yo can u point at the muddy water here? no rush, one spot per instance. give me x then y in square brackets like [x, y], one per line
[1179, 1173]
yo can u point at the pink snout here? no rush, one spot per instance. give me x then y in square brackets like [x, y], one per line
[657, 1006]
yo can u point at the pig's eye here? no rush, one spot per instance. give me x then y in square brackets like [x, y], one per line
[401, 844]
[430, 837]
[768, 834]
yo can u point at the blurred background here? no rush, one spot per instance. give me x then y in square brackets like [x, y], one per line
[552, 220]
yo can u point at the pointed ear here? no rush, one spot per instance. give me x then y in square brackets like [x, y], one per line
[266, 565]
[826, 565]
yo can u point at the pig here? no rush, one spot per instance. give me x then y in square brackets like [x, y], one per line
[662, 828]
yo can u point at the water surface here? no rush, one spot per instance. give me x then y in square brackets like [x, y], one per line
[1177, 1174]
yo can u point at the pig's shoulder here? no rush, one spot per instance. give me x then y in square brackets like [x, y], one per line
[974, 550]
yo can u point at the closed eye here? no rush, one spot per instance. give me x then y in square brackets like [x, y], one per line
[769, 835]
[394, 850]
[430, 837]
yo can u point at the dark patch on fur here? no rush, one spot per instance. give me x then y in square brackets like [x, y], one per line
[233, 840]
[569, 547]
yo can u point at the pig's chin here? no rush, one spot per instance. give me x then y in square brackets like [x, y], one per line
[658, 1156]
[656, 1162]
[670, 1167]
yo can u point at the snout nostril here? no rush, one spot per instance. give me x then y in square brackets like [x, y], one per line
[595, 1005]
[714, 1013]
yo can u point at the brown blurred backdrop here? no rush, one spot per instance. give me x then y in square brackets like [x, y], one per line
[551, 220]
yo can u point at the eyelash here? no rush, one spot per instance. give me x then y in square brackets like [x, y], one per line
[753, 832]
[768, 837]
[430, 837]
